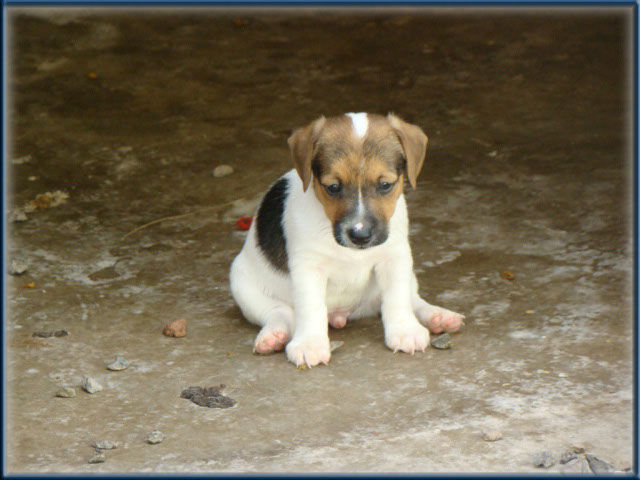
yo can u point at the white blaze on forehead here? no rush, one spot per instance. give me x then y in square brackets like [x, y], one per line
[360, 123]
[360, 209]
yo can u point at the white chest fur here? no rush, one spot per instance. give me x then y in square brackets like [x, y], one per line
[347, 285]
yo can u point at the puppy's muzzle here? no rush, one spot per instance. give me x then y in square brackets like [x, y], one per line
[360, 234]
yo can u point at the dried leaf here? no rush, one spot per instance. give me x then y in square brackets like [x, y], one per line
[507, 275]
[42, 200]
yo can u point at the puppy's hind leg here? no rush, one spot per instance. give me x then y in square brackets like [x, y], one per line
[277, 330]
[274, 316]
[436, 319]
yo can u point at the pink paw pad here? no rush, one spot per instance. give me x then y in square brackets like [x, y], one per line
[441, 320]
[270, 341]
[452, 322]
[435, 323]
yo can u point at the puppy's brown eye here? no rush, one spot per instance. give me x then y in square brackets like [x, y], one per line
[385, 187]
[334, 188]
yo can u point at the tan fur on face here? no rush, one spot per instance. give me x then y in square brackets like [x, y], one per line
[383, 207]
[333, 207]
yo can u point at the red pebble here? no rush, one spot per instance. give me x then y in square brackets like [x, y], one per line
[244, 223]
[177, 328]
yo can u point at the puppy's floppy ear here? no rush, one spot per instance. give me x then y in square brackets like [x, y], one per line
[414, 143]
[301, 145]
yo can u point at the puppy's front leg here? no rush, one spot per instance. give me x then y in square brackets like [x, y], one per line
[402, 331]
[310, 342]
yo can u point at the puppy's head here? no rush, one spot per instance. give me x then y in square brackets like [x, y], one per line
[355, 165]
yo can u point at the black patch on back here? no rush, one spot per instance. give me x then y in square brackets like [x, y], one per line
[270, 232]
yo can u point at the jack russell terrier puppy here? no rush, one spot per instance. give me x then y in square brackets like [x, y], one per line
[329, 242]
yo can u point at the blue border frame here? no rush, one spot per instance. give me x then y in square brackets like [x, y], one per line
[327, 3]
[635, 126]
[334, 4]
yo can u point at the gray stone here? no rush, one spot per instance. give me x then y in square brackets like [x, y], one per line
[105, 445]
[576, 466]
[442, 342]
[17, 267]
[492, 436]
[91, 385]
[222, 171]
[155, 437]
[66, 392]
[544, 459]
[566, 457]
[599, 466]
[98, 457]
[119, 364]
[17, 215]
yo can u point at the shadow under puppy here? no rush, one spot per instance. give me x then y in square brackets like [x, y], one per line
[330, 241]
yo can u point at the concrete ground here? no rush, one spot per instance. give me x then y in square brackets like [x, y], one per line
[528, 170]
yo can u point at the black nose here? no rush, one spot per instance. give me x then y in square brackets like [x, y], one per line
[359, 236]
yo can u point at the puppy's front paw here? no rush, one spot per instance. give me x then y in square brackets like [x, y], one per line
[407, 338]
[310, 352]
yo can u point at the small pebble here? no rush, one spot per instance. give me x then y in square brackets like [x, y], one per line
[57, 333]
[119, 364]
[566, 457]
[98, 457]
[492, 436]
[66, 392]
[17, 267]
[442, 342]
[155, 437]
[240, 22]
[222, 171]
[17, 215]
[91, 385]
[106, 445]
[577, 449]
[599, 466]
[544, 459]
[177, 328]
[22, 160]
